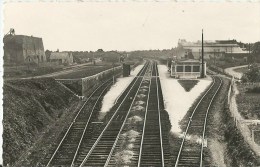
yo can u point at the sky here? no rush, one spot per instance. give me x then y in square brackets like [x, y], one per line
[127, 26]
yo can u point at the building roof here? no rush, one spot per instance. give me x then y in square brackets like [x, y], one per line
[227, 46]
[59, 55]
[23, 42]
[187, 61]
[209, 43]
[19, 38]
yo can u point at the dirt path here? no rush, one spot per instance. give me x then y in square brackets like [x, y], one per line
[65, 71]
[231, 71]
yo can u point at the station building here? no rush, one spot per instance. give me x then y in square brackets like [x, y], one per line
[189, 69]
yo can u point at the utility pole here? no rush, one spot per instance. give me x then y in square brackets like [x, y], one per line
[249, 50]
[113, 72]
[202, 75]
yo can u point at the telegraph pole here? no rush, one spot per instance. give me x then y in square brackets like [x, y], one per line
[202, 75]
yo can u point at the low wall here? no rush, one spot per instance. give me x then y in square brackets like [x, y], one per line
[83, 86]
[241, 123]
[93, 81]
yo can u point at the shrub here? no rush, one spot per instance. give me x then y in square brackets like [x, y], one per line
[253, 75]
[255, 89]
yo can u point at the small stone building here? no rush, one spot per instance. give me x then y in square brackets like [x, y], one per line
[21, 49]
[61, 57]
[187, 69]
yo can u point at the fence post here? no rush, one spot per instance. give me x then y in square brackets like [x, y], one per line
[253, 135]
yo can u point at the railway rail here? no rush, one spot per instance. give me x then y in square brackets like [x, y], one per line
[99, 151]
[192, 153]
[151, 149]
[64, 153]
[141, 102]
[80, 131]
[147, 147]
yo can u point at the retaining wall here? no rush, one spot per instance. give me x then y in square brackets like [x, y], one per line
[83, 86]
[73, 84]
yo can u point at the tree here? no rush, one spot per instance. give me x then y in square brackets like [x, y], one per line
[48, 55]
[100, 50]
[253, 75]
[256, 48]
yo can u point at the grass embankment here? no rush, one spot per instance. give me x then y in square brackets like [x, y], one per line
[226, 63]
[237, 148]
[248, 100]
[188, 84]
[29, 70]
[86, 71]
[244, 69]
[61, 71]
[34, 113]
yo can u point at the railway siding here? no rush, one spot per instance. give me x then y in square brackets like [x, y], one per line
[193, 141]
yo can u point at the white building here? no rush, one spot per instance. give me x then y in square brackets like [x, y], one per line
[189, 68]
[212, 49]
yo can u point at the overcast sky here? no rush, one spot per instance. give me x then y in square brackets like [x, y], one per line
[132, 26]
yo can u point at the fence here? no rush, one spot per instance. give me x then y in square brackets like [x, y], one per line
[241, 123]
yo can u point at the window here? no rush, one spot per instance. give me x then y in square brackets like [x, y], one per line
[179, 68]
[196, 68]
[187, 68]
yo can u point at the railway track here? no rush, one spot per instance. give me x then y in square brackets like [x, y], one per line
[82, 130]
[100, 150]
[130, 138]
[151, 149]
[64, 152]
[88, 142]
[147, 147]
[191, 151]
